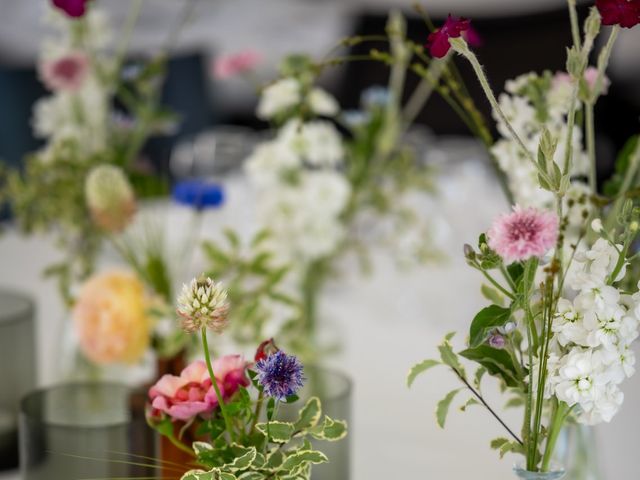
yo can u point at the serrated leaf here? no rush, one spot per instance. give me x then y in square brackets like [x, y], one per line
[448, 356]
[487, 320]
[505, 446]
[304, 456]
[201, 447]
[468, 403]
[243, 461]
[419, 368]
[477, 377]
[252, 476]
[442, 410]
[333, 430]
[309, 415]
[278, 432]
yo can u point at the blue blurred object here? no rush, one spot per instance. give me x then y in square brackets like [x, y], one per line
[198, 194]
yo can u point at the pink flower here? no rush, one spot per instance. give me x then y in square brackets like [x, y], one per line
[66, 73]
[236, 64]
[73, 8]
[625, 13]
[591, 76]
[522, 234]
[192, 393]
[438, 41]
[472, 37]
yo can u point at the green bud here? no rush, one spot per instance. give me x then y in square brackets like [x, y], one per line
[110, 197]
[592, 24]
[575, 63]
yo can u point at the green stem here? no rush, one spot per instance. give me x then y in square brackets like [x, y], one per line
[591, 146]
[423, 91]
[460, 46]
[560, 413]
[127, 33]
[223, 407]
[256, 414]
[178, 444]
[573, 16]
[493, 281]
[629, 177]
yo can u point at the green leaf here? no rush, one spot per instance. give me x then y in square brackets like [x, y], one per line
[497, 362]
[278, 432]
[420, 368]
[468, 403]
[242, 461]
[504, 446]
[448, 356]
[252, 476]
[477, 378]
[487, 320]
[333, 430]
[442, 409]
[309, 414]
[304, 456]
[214, 474]
[201, 447]
[492, 295]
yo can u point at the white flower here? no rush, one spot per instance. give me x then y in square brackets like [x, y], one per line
[203, 304]
[607, 403]
[318, 142]
[567, 324]
[580, 378]
[269, 161]
[593, 267]
[604, 327]
[279, 97]
[596, 225]
[322, 103]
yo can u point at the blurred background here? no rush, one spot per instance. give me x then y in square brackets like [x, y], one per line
[383, 334]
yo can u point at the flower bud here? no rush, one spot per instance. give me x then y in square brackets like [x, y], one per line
[496, 341]
[469, 252]
[266, 348]
[596, 225]
[592, 24]
[109, 197]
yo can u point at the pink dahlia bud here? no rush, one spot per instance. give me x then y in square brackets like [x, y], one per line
[523, 234]
[65, 73]
[110, 198]
[625, 13]
[203, 304]
[438, 41]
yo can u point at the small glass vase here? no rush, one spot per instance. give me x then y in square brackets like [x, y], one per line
[85, 430]
[577, 449]
[554, 473]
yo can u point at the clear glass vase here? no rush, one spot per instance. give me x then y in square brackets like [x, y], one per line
[555, 473]
[578, 451]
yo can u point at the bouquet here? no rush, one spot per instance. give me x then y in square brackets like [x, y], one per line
[232, 405]
[560, 266]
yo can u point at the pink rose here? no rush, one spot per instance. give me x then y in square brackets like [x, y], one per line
[192, 393]
[66, 73]
[230, 65]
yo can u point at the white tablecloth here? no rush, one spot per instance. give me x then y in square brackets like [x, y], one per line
[388, 321]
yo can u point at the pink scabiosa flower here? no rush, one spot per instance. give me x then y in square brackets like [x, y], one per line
[523, 234]
[73, 8]
[228, 66]
[438, 41]
[625, 13]
[111, 320]
[66, 73]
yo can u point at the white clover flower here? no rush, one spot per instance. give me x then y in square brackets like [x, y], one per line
[322, 103]
[203, 304]
[279, 97]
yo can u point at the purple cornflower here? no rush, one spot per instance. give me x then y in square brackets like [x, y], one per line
[280, 375]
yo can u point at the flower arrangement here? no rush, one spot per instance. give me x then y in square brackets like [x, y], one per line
[232, 405]
[564, 308]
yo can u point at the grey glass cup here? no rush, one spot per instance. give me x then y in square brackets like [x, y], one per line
[17, 368]
[85, 430]
[334, 389]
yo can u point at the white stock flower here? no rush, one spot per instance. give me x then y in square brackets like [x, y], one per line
[318, 142]
[567, 324]
[581, 378]
[607, 403]
[269, 161]
[604, 327]
[322, 103]
[593, 267]
[279, 97]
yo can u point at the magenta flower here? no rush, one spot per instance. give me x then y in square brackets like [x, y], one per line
[192, 393]
[228, 66]
[73, 8]
[625, 13]
[66, 73]
[523, 233]
[438, 41]
[473, 38]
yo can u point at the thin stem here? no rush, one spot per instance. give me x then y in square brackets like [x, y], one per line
[256, 413]
[560, 413]
[482, 400]
[591, 146]
[573, 16]
[460, 46]
[127, 33]
[178, 444]
[494, 282]
[223, 407]
[630, 175]
[424, 90]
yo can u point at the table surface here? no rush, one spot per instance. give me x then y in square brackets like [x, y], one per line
[388, 321]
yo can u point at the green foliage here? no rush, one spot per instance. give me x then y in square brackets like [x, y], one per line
[487, 320]
[622, 164]
[449, 357]
[497, 362]
[420, 368]
[442, 409]
[504, 446]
